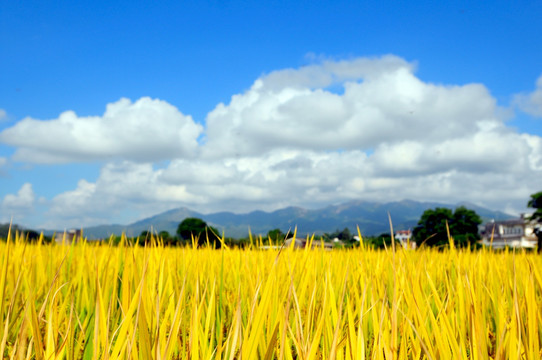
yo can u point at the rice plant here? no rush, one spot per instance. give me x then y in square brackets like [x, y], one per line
[99, 301]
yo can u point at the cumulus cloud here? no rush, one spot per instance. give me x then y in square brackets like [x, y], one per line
[325, 133]
[147, 130]
[125, 189]
[531, 103]
[282, 178]
[329, 72]
[18, 205]
[481, 152]
[382, 102]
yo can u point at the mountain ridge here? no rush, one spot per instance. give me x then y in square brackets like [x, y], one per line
[371, 217]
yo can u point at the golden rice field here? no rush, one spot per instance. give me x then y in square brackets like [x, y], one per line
[97, 301]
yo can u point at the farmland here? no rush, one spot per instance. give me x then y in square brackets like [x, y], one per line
[93, 301]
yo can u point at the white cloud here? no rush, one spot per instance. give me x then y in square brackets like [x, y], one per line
[300, 177]
[497, 171]
[531, 103]
[277, 179]
[328, 73]
[386, 105]
[124, 189]
[3, 115]
[481, 152]
[3, 161]
[147, 130]
[535, 156]
[18, 206]
[290, 140]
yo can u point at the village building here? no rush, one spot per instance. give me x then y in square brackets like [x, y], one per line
[515, 233]
[405, 238]
[68, 236]
[301, 243]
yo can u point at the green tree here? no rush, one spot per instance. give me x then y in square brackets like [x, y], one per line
[4, 229]
[197, 228]
[167, 239]
[536, 203]
[381, 241]
[34, 236]
[343, 235]
[163, 234]
[144, 237]
[276, 236]
[431, 228]
[27, 234]
[463, 224]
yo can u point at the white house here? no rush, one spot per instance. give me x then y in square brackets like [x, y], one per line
[69, 236]
[404, 237]
[516, 233]
[301, 243]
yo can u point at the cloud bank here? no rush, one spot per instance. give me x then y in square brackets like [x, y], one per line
[531, 103]
[364, 128]
[18, 205]
[147, 130]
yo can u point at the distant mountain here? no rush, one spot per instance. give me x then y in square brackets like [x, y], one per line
[371, 217]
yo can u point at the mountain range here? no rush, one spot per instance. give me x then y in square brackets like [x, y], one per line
[371, 217]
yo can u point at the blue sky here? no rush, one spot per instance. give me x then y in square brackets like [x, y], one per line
[241, 105]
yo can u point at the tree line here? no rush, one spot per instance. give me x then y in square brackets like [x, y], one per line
[434, 229]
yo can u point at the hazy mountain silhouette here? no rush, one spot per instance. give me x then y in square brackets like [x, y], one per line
[371, 217]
